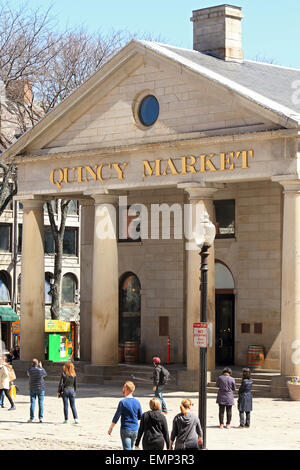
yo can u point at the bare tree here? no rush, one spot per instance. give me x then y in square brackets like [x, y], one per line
[57, 216]
[39, 68]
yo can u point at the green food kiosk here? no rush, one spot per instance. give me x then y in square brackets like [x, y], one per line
[58, 340]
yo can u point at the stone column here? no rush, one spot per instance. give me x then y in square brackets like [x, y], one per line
[86, 275]
[32, 321]
[105, 296]
[201, 200]
[290, 286]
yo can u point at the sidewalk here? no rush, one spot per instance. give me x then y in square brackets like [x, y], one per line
[275, 422]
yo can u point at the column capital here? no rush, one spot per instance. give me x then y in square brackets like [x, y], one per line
[29, 204]
[198, 191]
[104, 197]
[290, 183]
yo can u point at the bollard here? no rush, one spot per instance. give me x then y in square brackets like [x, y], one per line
[168, 351]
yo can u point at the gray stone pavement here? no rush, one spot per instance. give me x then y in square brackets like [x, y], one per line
[275, 422]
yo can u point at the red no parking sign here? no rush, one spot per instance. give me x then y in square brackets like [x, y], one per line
[200, 332]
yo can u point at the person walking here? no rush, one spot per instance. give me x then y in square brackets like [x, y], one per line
[160, 378]
[186, 430]
[37, 387]
[153, 428]
[67, 390]
[5, 383]
[130, 411]
[225, 397]
[245, 398]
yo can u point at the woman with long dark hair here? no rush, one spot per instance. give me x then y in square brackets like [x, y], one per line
[225, 398]
[67, 390]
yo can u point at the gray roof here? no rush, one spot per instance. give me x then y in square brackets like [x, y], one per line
[275, 83]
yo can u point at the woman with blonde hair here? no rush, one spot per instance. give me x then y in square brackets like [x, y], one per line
[186, 429]
[67, 390]
[153, 428]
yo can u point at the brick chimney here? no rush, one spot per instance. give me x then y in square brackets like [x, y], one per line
[218, 32]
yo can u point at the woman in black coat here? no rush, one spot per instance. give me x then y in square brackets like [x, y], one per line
[153, 428]
[245, 398]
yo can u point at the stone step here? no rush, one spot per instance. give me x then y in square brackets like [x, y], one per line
[259, 393]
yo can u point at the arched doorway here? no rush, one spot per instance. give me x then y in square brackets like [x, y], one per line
[224, 285]
[129, 308]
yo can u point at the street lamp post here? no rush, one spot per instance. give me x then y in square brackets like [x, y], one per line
[204, 242]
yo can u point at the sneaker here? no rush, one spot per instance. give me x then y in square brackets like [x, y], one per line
[41, 420]
[221, 426]
[30, 421]
[76, 421]
[241, 427]
[227, 426]
[65, 421]
[11, 408]
[2, 406]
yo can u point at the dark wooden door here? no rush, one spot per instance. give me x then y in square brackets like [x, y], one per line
[224, 329]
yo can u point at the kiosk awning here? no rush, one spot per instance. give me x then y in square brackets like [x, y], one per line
[8, 314]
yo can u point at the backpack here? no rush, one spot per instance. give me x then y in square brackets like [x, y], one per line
[164, 376]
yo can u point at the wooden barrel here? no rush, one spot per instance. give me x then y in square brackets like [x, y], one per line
[131, 351]
[121, 353]
[256, 357]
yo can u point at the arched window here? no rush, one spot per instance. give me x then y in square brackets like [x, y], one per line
[69, 286]
[5, 283]
[48, 296]
[130, 308]
[223, 277]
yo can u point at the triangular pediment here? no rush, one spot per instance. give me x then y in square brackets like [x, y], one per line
[101, 113]
[186, 106]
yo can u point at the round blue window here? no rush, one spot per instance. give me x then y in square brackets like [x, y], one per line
[148, 110]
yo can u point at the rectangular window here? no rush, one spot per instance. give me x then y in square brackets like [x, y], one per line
[70, 242]
[20, 231]
[129, 225]
[73, 208]
[5, 237]
[48, 241]
[225, 218]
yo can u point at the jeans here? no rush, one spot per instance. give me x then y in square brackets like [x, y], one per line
[40, 394]
[69, 396]
[2, 398]
[242, 418]
[228, 413]
[158, 393]
[128, 438]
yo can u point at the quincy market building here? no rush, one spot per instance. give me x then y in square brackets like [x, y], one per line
[203, 129]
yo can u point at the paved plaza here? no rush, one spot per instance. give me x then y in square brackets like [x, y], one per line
[275, 422]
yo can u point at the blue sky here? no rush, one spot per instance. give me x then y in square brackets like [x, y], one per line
[270, 27]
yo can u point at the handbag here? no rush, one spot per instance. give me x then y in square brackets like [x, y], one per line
[12, 392]
[11, 374]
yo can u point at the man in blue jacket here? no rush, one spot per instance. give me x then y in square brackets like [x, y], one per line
[130, 411]
[37, 388]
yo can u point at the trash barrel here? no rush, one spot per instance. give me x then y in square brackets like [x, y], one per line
[256, 357]
[131, 351]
